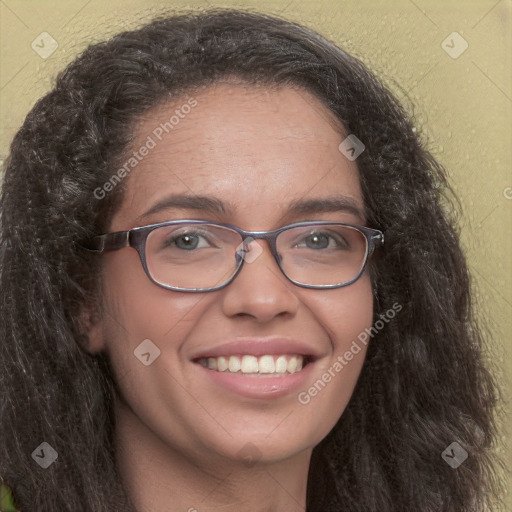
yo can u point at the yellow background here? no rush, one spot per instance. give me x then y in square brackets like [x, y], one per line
[463, 106]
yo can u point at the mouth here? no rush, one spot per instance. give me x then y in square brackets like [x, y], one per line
[267, 365]
[257, 368]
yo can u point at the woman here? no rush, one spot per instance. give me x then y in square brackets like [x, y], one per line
[228, 281]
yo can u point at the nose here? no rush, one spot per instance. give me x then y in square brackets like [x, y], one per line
[260, 290]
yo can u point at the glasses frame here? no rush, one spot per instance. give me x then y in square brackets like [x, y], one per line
[137, 237]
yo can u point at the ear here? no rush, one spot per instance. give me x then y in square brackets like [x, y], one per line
[91, 325]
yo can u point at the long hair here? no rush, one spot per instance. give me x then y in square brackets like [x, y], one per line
[423, 385]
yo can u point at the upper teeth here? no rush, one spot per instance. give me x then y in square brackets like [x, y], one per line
[253, 364]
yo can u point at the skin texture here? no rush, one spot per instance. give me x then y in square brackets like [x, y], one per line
[178, 437]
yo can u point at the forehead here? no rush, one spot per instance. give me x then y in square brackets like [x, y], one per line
[254, 148]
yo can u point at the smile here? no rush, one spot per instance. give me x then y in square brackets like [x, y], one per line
[260, 368]
[252, 365]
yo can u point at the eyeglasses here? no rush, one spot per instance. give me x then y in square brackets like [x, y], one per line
[202, 256]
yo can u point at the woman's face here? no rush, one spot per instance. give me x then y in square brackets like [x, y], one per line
[257, 152]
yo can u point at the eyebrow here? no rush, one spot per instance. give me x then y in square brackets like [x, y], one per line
[215, 206]
[326, 205]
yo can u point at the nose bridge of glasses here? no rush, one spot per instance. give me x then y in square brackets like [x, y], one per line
[254, 244]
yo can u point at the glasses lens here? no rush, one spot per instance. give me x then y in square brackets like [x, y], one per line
[322, 255]
[202, 256]
[192, 256]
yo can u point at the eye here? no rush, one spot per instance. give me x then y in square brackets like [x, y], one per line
[187, 241]
[323, 240]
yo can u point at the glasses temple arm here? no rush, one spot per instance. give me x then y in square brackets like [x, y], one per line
[109, 242]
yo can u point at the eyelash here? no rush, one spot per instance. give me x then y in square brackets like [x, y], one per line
[172, 238]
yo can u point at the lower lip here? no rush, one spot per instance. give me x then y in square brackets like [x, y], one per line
[259, 386]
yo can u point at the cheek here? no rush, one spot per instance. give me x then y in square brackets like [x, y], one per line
[346, 317]
[136, 310]
[345, 312]
[140, 305]
[143, 329]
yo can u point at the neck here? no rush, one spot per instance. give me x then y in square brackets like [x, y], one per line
[167, 478]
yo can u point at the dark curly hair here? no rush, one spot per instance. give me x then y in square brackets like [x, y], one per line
[423, 385]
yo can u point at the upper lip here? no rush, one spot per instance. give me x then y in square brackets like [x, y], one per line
[259, 347]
